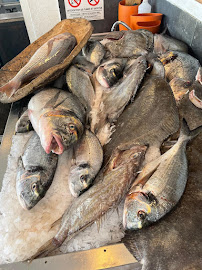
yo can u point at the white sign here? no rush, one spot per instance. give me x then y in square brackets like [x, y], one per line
[88, 9]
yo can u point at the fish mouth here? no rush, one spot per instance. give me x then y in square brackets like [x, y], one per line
[55, 145]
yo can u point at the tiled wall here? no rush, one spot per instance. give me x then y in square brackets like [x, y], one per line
[181, 25]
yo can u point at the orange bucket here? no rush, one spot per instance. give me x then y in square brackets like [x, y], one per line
[148, 21]
[124, 13]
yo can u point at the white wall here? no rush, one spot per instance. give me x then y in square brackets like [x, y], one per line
[40, 16]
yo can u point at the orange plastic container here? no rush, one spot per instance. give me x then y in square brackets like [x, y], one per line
[124, 13]
[151, 26]
[148, 21]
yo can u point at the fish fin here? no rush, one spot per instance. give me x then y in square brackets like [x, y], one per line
[55, 223]
[10, 88]
[186, 133]
[45, 249]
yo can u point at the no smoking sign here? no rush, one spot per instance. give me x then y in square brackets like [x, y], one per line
[74, 3]
[93, 2]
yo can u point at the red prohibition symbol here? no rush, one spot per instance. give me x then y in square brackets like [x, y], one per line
[74, 3]
[93, 2]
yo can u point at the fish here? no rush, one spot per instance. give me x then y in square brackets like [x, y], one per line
[87, 161]
[58, 118]
[102, 196]
[160, 185]
[94, 52]
[111, 100]
[180, 88]
[80, 84]
[164, 43]
[51, 53]
[151, 118]
[35, 174]
[129, 43]
[180, 65]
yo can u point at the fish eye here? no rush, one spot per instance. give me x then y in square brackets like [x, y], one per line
[72, 127]
[141, 214]
[34, 186]
[82, 178]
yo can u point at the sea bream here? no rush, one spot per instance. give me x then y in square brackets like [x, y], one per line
[57, 117]
[51, 53]
[106, 194]
[129, 43]
[164, 43]
[180, 65]
[94, 52]
[116, 83]
[36, 170]
[160, 185]
[86, 163]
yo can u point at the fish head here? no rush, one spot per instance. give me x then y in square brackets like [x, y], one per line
[58, 130]
[80, 179]
[108, 73]
[139, 209]
[29, 188]
[94, 51]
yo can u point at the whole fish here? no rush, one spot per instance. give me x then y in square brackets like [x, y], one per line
[57, 117]
[180, 65]
[120, 85]
[94, 52]
[160, 185]
[150, 118]
[164, 43]
[104, 195]
[79, 83]
[128, 43]
[51, 53]
[87, 161]
[36, 170]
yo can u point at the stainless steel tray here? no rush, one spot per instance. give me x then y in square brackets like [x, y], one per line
[101, 258]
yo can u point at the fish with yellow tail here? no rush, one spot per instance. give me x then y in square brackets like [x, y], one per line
[160, 185]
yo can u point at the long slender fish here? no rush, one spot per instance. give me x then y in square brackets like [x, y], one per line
[104, 195]
[160, 185]
[57, 117]
[87, 161]
[51, 53]
[35, 173]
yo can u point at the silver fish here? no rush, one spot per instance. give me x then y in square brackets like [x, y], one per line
[101, 197]
[51, 53]
[110, 102]
[180, 65]
[164, 43]
[128, 43]
[94, 52]
[79, 83]
[87, 161]
[160, 185]
[57, 117]
[35, 173]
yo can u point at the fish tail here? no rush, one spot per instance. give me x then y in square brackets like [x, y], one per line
[46, 249]
[186, 134]
[10, 88]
